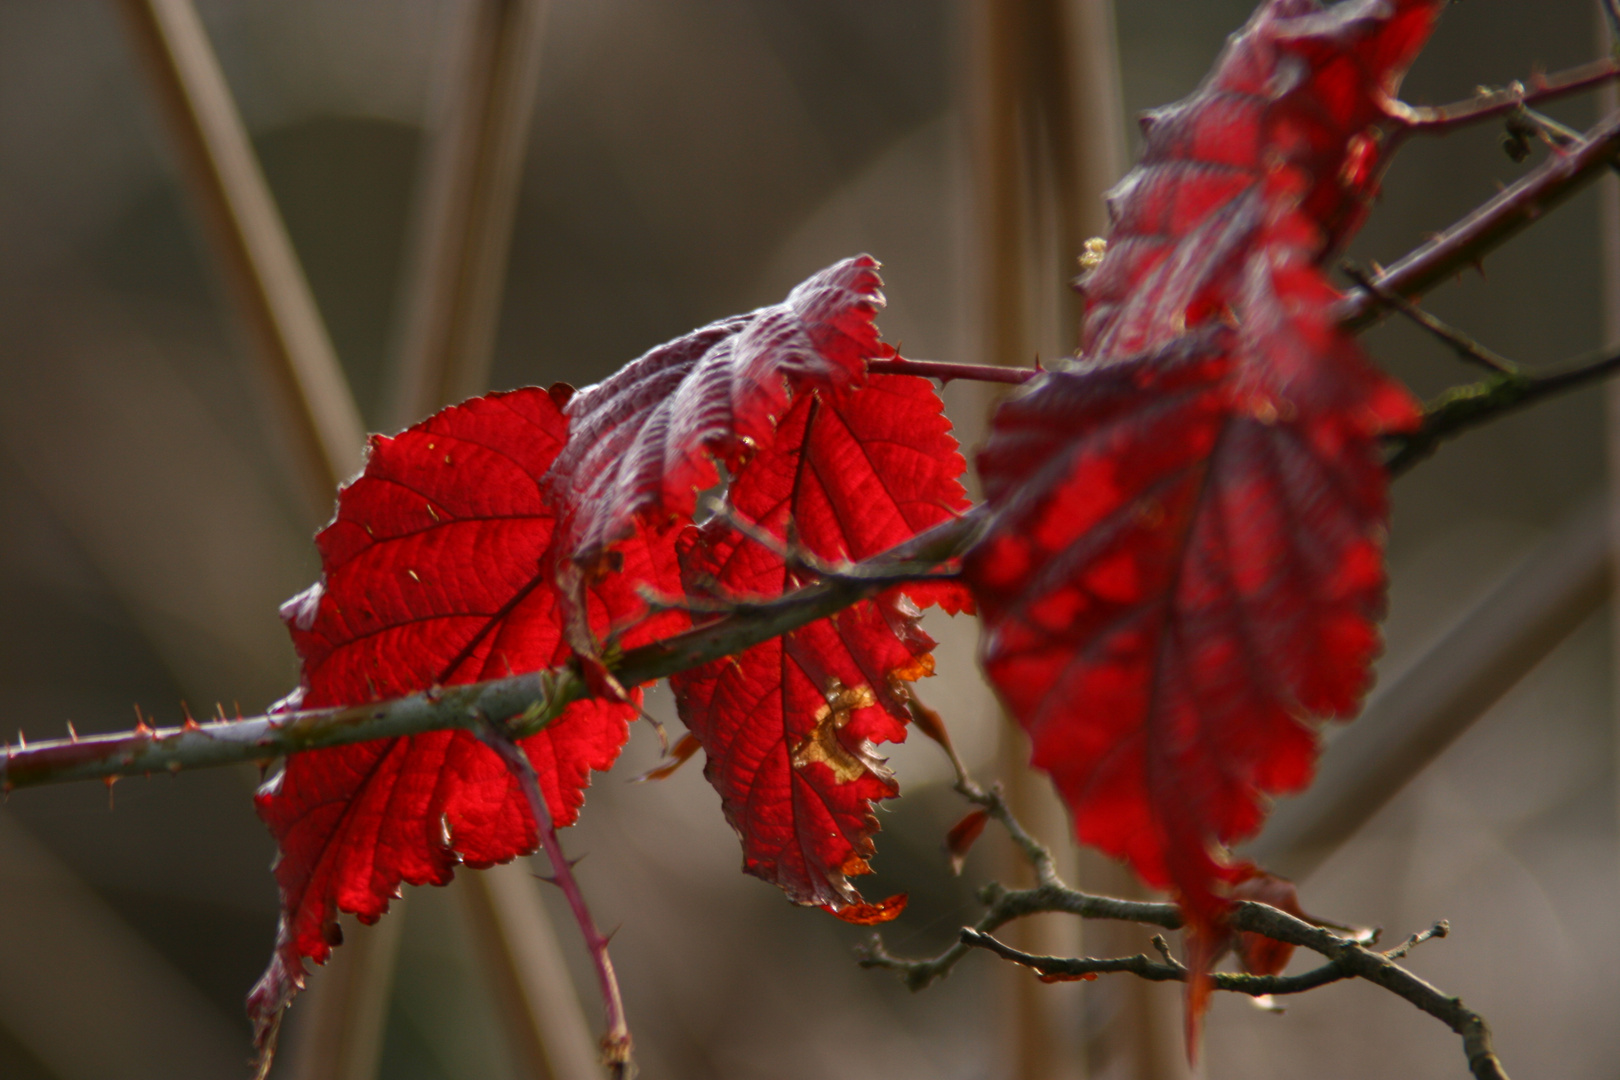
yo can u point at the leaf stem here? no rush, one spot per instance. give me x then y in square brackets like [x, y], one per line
[616, 1043]
[946, 372]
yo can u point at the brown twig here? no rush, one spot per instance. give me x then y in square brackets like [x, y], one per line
[1463, 345]
[1143, 966]
[1464, 244]
[1347, 956]
[1492, 224]
[1491, 104]
[1003, 905]
[1364, 963]
[1438, 930]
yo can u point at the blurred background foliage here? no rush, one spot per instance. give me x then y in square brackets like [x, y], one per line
[690, 159]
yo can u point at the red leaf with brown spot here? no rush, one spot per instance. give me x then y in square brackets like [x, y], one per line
[789, 727]
[436, 570]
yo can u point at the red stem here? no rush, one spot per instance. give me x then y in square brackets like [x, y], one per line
[1468, 241]
[616, 1040]
[1444, 119]
[937, 369]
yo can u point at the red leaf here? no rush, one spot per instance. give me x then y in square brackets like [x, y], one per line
[789, 727]
[435, 571]
[1297, 109]
[645, 440]
[959, 841]
[886, 910]
[1261, 955]
[1187, 562]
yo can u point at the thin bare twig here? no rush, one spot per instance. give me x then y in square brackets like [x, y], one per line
[616, 1046]
[1003, 905]
[1143, 966]
[1463, 244]
[1364, 963]
[1438, 930]
[1463, 345]
[1347, 956]
[1545, 127]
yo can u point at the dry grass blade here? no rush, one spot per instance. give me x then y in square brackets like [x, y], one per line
[1048, 119]
[452, 300]
[346, 1015]
[464, 215]
[541, 1011]
[323, 427]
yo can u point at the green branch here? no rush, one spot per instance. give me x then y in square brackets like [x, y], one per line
[1464, 407]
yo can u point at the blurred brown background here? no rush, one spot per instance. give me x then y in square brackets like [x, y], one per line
[688, 159]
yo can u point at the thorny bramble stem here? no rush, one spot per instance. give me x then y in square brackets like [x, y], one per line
[616, 1039]
[530, 702]
[1492, 224]
[524, 704]
[1492, 104]
[1463, 345]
